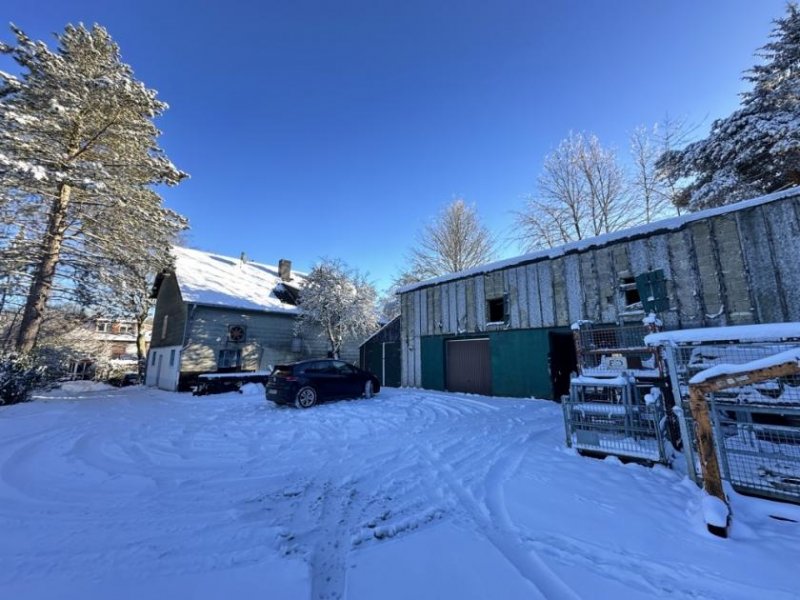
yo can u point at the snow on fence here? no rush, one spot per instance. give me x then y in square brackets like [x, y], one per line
[755, 421]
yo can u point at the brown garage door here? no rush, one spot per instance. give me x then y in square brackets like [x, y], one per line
[469, 367]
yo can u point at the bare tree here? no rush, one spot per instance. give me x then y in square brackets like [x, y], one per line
[453, 241]
[655, 188]
[581, 193]
[646, 182]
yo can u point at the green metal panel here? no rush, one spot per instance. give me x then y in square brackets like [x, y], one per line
[432, 348]
[373, 358]
[392, 365]
[519, 363]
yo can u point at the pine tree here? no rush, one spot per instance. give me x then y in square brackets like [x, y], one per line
[339, 303]
[79, 152]
[755, 150]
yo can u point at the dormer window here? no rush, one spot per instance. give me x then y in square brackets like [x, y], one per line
[286, 293]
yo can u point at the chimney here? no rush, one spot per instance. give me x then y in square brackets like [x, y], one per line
[285, 269]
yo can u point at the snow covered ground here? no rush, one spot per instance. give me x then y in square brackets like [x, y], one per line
[139, 493]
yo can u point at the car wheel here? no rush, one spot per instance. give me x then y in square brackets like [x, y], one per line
[306, 397]
[368, 393]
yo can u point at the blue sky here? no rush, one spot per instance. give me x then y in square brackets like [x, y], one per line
[339, 128]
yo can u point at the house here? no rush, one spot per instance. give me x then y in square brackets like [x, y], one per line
[218, 313]
[380, 353]
[119, 336]
[504, 328]
[103, 346]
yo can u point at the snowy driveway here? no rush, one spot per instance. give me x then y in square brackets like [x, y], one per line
[138, 493]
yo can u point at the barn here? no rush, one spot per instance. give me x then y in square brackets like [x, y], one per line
[503, 328]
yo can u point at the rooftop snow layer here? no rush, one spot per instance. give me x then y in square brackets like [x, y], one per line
[766, 332]
[602, 240]
[215, 280]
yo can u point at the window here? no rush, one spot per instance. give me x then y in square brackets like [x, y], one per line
[103, 326]
[328, 368]
[629, 291]
[164, 325]
[496, 310]
[343, 368]
[125, 328]
[153, 362]
[172, 357]
[229, 359]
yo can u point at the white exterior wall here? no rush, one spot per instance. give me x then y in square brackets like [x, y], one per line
[163, 367]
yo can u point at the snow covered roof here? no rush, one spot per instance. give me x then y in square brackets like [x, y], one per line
[216, 280]
[767, 332]
[605, 239]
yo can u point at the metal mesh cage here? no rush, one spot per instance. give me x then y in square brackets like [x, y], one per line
[758, 447]
[756, 426]
[611, 417]
[605, 350]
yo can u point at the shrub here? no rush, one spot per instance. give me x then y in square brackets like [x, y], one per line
[19, 375]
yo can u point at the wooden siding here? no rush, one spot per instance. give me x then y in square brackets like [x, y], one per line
[269, 339]
[737, 267]
[169, 305]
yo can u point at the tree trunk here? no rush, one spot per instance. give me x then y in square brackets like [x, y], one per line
[42, 283]
[141, 342]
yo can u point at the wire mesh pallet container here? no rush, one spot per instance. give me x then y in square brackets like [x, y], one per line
[611, 417]
[608, 350]
[756, 426]
[759, 447]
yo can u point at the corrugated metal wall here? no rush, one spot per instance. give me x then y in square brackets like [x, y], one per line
[734, 268]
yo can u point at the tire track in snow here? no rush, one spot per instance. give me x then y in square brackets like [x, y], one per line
[492, 518]
[327, 517]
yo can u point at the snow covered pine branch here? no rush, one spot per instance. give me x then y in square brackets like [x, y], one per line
[79, 158]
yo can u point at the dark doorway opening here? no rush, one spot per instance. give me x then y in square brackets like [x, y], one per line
[563, 362]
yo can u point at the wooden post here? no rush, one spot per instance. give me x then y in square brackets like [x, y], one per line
[712, 477]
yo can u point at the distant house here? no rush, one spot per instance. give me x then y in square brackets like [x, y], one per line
[108, 344]
[504, 328]
[120, 337]
[218, 313]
